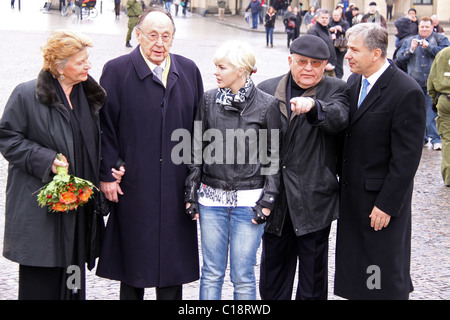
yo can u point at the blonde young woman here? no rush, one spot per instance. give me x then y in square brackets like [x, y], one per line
[231, 197]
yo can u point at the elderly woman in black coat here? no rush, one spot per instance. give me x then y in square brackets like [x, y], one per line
[55, 113]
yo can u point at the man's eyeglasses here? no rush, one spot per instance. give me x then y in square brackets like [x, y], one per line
[303, 62]
[153, 37]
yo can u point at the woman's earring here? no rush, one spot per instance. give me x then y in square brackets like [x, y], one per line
[61, 76]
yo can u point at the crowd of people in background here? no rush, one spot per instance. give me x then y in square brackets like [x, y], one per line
[331, 26]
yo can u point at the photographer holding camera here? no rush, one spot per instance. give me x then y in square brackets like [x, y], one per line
[417, 53]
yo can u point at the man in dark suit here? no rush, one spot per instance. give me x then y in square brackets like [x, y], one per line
[381, 152]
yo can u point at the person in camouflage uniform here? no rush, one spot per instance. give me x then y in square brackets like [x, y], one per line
[439, 90]
[134, 11]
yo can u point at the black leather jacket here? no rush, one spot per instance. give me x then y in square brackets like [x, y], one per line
[309, 188]
[220, 131]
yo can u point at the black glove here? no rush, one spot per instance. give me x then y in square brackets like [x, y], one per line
[260, 217]
[192, 210]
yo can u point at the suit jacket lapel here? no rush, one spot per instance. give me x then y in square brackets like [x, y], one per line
[354, 95]
[139, 63]
[173, 75]
[280, 94]
[371, 97]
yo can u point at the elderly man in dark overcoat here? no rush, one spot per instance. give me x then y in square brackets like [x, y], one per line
[149, 240]
[299, 225]
[381, 152]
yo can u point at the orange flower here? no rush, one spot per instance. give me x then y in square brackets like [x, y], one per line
[68, 198]
[65, 192]
[84, 194]
[58, 207]
[72, 206]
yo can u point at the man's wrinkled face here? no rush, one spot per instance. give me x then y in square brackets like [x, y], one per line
[155, 36]
[323, 19]
[306, 72]
[336, 16]
[359, 57]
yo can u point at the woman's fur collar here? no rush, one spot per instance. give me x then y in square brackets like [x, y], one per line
[46, 92]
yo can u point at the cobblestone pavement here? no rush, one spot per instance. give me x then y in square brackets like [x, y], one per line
[22, 34]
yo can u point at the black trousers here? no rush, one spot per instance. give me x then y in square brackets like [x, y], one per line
[128, 292]
[340, 63]
[279, 263]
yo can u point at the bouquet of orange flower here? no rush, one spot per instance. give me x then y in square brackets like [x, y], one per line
[65, 192]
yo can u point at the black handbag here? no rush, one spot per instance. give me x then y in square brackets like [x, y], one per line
[101, 204]
[341, 43]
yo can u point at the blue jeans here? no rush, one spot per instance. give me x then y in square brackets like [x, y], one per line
[167, 5]
[223, 228]
[269, 35]
[255, 17]
[431, 130]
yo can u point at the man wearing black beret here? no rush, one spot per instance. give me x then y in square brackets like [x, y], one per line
[314, 110]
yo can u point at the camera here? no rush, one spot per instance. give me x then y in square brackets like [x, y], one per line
[419, 42]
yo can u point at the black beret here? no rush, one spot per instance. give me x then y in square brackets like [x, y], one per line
[310, 46]
[372, 4]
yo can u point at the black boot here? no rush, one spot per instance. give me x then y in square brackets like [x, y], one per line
[128, 45]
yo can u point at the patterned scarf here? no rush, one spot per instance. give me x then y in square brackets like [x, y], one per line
[227, 197]
[226, 97]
